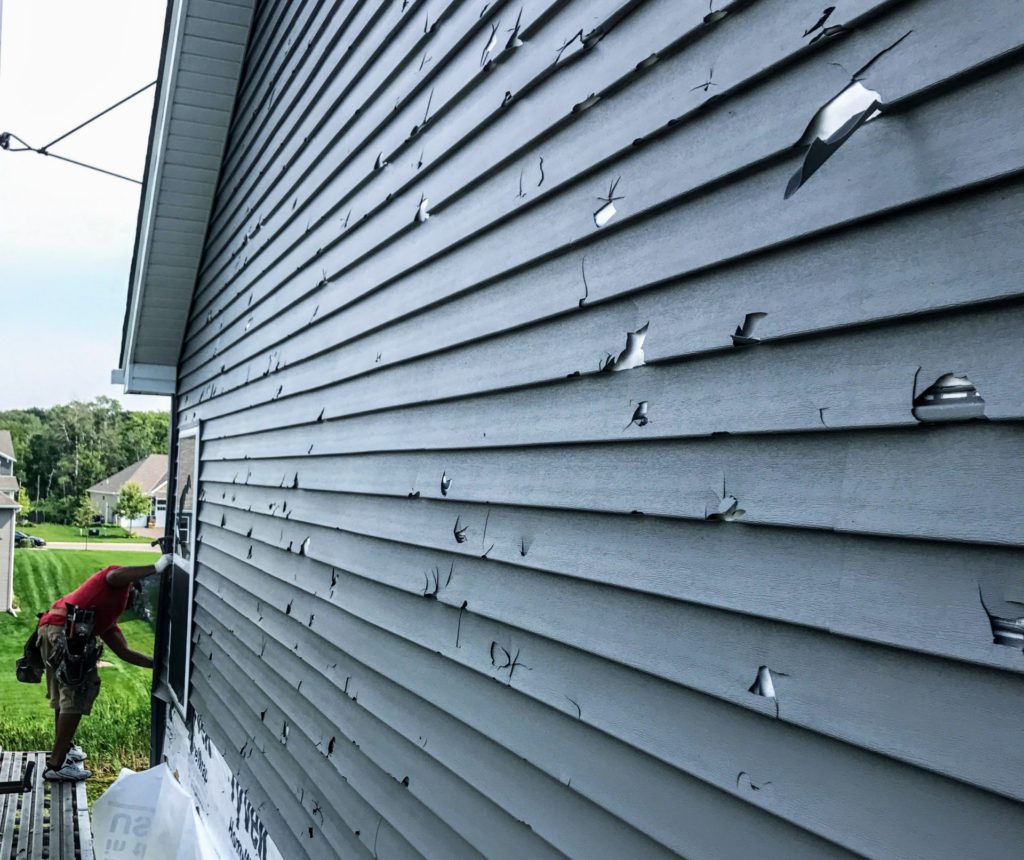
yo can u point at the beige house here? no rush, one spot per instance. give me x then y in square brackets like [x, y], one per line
[150, 473]
[9, 508]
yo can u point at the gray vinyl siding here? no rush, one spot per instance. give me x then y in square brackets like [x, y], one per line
[556, 654]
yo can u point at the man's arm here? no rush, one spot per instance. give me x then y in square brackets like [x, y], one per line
[119, 645]
[122, 577]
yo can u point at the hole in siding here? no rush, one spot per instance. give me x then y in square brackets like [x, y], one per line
[586, 286]
[819, 28]
[833, 125]
[949, 398]
[708, 83]
[1005, 631]
[763, 684]
[586, 104]
[288, 608]
[524, 547]
[320, 417]
[422, 211]
[727, 510]
[639, 416]
[310, 624]
[458, 629]
[576, 705]
[405, 781]
[415, 494]
[330, 746]
[248, 555]
[521, 194]
[632, 356]
[648, 62]
[743, 780]
[379, 164]
[432, 583]
[714, 16]
[513, 40]
[605, 214]
[304, 547]
[540, 168]
[295, 481]
[460, 533]
[744, 334]
[284, 733]
[248, 324]
[263, 715]
[446, 483]
[492, 43]
[578, 35]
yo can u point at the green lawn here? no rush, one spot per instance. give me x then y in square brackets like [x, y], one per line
[55, 532]
[116, 734]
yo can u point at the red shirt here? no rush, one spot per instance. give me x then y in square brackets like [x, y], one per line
[95, 593]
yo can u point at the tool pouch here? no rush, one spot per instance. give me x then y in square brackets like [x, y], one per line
[79, 651]
[29, 666]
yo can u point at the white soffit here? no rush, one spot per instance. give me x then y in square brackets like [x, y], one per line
[203, 52]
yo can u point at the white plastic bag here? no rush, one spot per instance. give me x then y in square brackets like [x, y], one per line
[148, 816]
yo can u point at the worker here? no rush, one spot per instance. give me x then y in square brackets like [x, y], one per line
[72, 678]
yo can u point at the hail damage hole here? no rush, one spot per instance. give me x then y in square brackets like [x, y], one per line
[330, 746]
[605, 214]
[639, 416]
[446, 483]
[586, 104]
[727, 510]
[288, 608]
[310, 624]
[304, 547]
[284, 733]
[1008, 631]
[458, 629]
[826, 13]
[831, 127]
[432, 579]
[576, 705]
[422, 211]
[743, 778]
[744, 334]
[565, 45]
[379, 164]
[951, 397]
[415, 494]
[714, 16]
[586, 286]
[513, 40]
[492, 43]
[248, 555]
[632, 356]
[521, 194]
[708, 83]
[460, 533]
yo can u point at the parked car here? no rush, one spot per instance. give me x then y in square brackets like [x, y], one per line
[32, 539]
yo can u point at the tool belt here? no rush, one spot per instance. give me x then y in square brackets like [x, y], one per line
[77, 649]
[29, 666]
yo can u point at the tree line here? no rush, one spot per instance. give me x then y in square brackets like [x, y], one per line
[63, 450]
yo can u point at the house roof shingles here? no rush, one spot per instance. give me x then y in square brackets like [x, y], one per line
[8, 502]
[9, 484]
[150, 473]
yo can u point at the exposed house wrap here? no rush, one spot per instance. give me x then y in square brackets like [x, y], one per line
[578, 388]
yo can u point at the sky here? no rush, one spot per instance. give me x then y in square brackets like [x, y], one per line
[66, 233]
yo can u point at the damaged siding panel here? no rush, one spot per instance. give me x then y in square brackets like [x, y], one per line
[822, 580]
[407, 500]
[892, 703]
[321, 237]
[564, 817]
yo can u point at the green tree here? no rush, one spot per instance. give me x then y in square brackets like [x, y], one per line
[85, 513]
[132, 503]
[25, 502]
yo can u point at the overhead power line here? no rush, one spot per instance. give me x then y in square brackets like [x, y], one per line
[7, 136]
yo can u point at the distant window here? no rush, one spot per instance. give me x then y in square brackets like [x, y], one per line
[161, 505]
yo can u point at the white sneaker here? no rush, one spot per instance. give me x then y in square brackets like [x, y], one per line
[76, 754]
[71, 772]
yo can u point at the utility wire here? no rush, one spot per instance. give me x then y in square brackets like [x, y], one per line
[6, 137]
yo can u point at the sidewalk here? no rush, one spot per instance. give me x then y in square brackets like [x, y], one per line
[99, 546]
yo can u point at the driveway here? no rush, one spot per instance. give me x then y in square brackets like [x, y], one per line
[99, 546]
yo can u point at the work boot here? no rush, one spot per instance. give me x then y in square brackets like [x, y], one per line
[76, 754]
[70, 772]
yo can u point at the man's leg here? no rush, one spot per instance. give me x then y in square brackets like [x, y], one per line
[67, 725]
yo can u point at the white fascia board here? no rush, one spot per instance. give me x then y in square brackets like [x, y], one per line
[150, 378]
[165, 96]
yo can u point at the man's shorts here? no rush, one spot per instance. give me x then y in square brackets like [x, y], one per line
[66, 700]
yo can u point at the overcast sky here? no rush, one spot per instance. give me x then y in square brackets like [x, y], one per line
[67, 234]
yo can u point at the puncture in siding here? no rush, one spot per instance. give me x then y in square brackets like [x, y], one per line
[605, 214]
[714, 16]
[565, 45]
[505, 660]
[744, 778]
[513, 40]
[379, 164]
[764, 685]
[423, 211]
[414, 494]
[446, 483]
[576, 705]
[639, 416]
[823, 32]
[586, 286]
[708, 83]
[458, 629]
[521, 194]
[483, 538]
[630, 357]
[1007, 631]
[837, 120]
[952, 397]
[288, 608]
[492, 43]
[432, 583]
[284, 733]
[744, 334]
[728, 508]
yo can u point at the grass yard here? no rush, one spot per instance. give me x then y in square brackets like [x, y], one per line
[116, 734]
[56, 532]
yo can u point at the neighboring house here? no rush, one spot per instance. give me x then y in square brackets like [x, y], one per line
[9, 508]
[8, 515]
[574, 473]
[149, 473]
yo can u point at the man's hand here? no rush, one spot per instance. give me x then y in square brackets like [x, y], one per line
[164, 562]
[119, 645]
[125, 576]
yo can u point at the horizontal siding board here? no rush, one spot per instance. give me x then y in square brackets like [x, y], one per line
[734, 221]
[913, 595]
[239, 14]
[564, 748]
[843, 481]
[806, 77]
[706, 651]
[856, 379]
